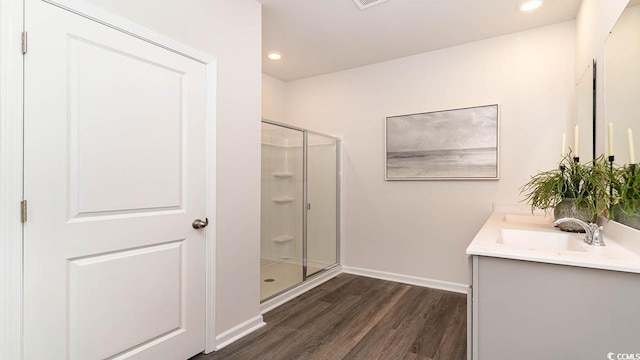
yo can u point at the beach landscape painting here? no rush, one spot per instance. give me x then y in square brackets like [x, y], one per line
[443, 145]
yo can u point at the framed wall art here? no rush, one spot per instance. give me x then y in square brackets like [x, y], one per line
[458, 144]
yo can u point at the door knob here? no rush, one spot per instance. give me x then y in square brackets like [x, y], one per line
[199, 223]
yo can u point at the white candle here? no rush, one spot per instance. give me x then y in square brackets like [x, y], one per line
[576, 142]
[632, 153]
[610, 139]
[564, 145]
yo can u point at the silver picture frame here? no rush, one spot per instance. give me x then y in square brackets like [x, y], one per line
[455, 144]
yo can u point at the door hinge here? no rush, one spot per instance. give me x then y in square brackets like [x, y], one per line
[23, 211]
[24, 42]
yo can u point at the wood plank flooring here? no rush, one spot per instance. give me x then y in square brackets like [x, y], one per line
[358, 318]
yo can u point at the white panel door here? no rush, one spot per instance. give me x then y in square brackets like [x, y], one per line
[114, 177]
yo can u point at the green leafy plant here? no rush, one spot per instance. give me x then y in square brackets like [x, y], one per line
[625, 185]
[586, 183]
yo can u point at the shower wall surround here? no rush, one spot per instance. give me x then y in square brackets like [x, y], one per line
[281, 225]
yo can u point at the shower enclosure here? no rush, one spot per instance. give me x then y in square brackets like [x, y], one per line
[300, 206]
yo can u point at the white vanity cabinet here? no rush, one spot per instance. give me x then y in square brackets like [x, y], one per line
[540, 294]
[533, 310]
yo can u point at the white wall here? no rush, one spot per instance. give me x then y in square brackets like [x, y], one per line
[273, 98]
[422, 228]
[594, 21]
[229, 30]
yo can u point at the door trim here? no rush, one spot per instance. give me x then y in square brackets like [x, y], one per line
[11, 160]
[111, 20]
[211, 229]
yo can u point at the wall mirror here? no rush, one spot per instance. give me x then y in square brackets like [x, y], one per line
[585, 113]
[622, 82]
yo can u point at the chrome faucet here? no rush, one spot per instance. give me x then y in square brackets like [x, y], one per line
[592, 230]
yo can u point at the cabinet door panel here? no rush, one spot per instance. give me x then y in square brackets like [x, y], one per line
[538, 311]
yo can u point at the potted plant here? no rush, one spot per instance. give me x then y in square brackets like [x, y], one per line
[573, 190]
[625, 185]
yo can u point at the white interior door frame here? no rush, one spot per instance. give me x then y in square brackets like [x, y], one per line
[11, 100]
[11, 160]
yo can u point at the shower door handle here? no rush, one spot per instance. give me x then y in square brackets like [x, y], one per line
[309, 206]
[199, 223]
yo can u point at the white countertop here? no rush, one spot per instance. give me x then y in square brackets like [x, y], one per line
[622, 252]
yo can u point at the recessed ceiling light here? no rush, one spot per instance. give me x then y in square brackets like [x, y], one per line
[529, 5]
[274, 55]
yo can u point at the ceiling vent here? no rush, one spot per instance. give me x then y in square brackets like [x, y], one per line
[363, 4]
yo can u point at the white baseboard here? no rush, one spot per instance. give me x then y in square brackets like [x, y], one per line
[239, 331]
[297, 291]
[407, 279]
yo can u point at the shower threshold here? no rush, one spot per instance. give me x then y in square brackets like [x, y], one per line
[281, 275]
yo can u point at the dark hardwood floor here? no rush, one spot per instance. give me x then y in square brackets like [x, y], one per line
[353, 317]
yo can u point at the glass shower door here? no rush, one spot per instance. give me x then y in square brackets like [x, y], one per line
[281, 248]
[322, 203]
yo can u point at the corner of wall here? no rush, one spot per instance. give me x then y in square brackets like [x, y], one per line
[273, 98]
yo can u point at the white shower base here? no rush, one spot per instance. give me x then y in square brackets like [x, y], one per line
[285, 273]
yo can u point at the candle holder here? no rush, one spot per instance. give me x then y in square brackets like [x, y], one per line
[611, 158]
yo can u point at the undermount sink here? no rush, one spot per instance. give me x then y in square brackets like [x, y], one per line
[528, 219]
[501, 237]
[541, 240]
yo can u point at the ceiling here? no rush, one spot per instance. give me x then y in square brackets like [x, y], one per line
[323, 36]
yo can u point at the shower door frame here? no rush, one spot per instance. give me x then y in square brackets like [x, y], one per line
[305, 203]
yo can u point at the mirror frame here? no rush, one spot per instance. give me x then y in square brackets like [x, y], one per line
[593, 115]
